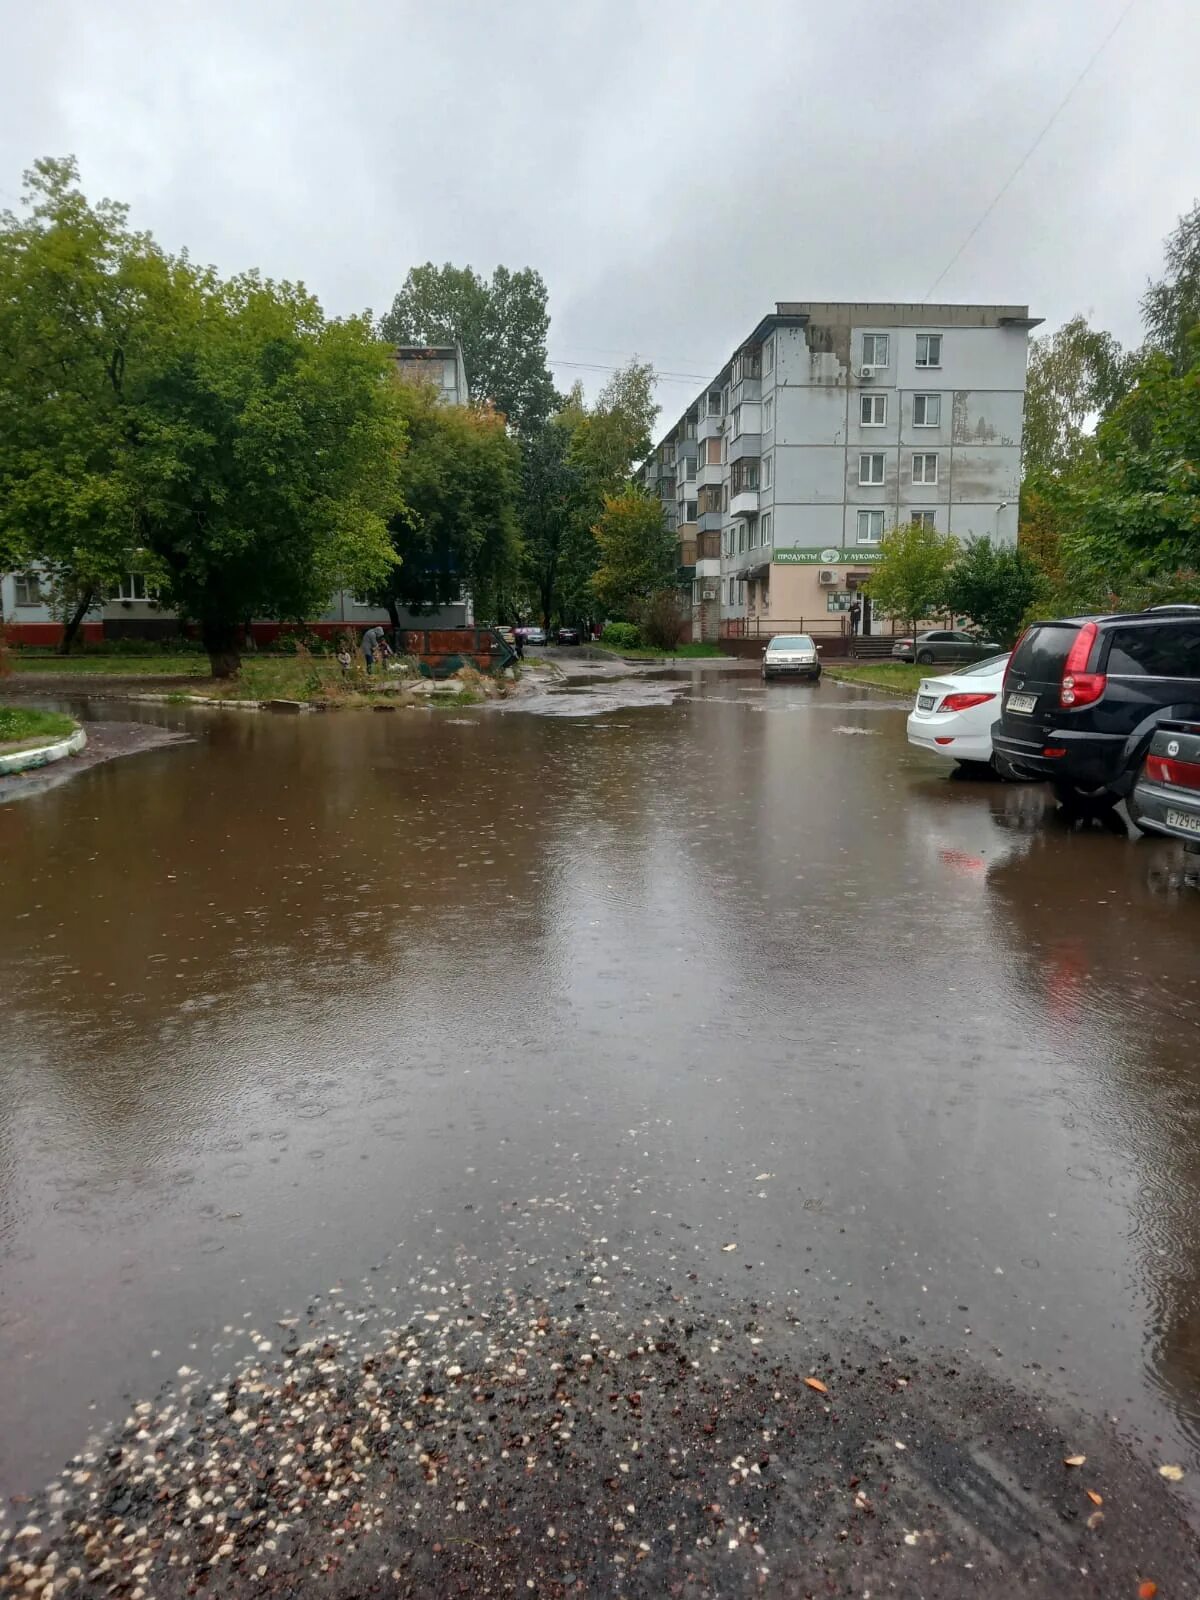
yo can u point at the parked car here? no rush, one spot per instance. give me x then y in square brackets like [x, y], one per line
[791, 655]
[953, 714]
[1083, 698]
[568, 636]
[532, 635]
[505, 632]
[944, 644]
[1166, 796]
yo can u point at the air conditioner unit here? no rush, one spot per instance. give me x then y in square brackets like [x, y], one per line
[827, 577]
[866, 373]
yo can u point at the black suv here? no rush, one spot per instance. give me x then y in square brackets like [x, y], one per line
[1082, 698]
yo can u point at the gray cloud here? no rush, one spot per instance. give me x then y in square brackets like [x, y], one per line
[671, 169]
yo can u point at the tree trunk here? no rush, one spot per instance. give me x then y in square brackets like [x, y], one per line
[75, 621]
[221, 642]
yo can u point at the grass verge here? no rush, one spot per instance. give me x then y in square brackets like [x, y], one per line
[130, 666]
[21, 726]
[900, 677]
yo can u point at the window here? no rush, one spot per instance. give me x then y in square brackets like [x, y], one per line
[28, 589]
[765, 524]
[132, 587]
[870, 469]
[929, 349]
[1157, 650]
[875, 349]
[725, 402]
[769, 355]
[714, 402]
[837, 600]
[872, 410]
[741, 536]
[927, 410]
[766, 472]
[733, 591]
[924, 519]
[924, 469]
[362, 601]
[737, 421]
[768, 415]
[870, 527]
[724, 497]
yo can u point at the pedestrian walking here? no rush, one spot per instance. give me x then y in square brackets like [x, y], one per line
[519, 643]
[374, 643]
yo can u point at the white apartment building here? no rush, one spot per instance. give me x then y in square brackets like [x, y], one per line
[831, 423]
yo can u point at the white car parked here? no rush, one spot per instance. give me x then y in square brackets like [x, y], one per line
[954, 713]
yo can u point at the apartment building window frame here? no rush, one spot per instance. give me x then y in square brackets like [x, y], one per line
[872, 411]
[27, 589]
[870, 526]
[923, 404]
[867, 463]
[768, 415]
[764, 524]
[876, 349]
[743, 534]
[768, 356]
[924, 519]
[717, 410]
[128, 587]
[689, 511]
[725, 495]
[921, 462]
[929, 350]
[766, 472]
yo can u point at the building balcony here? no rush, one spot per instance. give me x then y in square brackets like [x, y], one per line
[710, 521]
[709, 427]
[744, 503]
[709, 475]
[708, 546]
[685, 448]
[746, 444]
[687, 552]
[749, 390]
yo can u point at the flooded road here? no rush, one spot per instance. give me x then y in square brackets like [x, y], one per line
[314, 999]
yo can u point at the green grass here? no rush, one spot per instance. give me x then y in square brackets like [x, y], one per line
[901, 677]
[19, 725]
[127, 666]
[685, 652]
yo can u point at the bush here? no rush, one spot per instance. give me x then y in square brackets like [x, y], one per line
[662, 620]
[622, 636]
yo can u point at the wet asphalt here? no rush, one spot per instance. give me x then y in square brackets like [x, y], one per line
[701, 1028]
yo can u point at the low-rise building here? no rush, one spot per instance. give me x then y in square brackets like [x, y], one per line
[830, 423]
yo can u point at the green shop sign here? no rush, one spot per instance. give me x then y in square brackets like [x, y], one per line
[828, 556]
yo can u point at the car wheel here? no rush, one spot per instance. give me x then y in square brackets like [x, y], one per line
[1088, 801]
[1004, 769]
[925, 658]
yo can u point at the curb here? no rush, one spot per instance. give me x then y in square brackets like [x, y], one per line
[44, 755]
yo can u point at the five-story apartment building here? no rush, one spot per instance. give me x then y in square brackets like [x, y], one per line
[829, 424]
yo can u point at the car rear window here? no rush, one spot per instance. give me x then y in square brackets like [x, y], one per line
[1156, 650]
[1042, 653]
[792, 641]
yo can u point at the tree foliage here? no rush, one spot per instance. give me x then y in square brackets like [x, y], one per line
[638, 553]
[221, 435]
[458, 526]
[501, 324]
[1171, 307]
[993, 585]
[909, 581]
[1076, 375]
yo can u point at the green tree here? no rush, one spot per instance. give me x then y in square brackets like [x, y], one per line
[243, 449]
[993, 585]
[909, 582]
[1171, 307]
[638, 553]
[1139, 508]
[458, 526]
[501, 324]
[1076, 375]
[551, 496]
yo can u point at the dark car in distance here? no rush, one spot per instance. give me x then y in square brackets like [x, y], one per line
[944, 644]
[569, 636]
[1084, 696]
[1166, 796]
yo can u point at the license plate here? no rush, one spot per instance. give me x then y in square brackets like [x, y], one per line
[1183, 820]
[1021, 702]
[926, 702]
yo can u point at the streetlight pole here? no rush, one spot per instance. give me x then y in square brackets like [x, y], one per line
[996, 520]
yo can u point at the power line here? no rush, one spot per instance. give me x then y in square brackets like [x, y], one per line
[1024, 161]
[597, 366]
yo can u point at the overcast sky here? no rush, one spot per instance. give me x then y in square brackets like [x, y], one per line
[672, 169]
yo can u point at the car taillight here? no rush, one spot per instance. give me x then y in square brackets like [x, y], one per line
[1183, 774]
[1079, 686]
[964, 702]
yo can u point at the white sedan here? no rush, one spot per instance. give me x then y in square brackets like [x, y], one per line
[953, 715]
